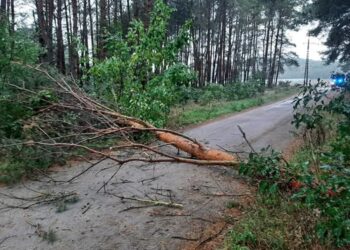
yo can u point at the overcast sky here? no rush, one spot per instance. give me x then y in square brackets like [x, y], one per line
[300, 39]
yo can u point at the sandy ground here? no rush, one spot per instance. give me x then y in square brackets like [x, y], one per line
[107, 217]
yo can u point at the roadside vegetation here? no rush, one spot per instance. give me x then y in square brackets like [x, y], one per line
[217, 101]
[304, 203]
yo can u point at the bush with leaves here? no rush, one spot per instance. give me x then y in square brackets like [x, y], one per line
[321, 182]
[309, 106]
[216, 92]
[237, 91]
[326, 177]
[16, 47]
[142, 76]
[266, 167]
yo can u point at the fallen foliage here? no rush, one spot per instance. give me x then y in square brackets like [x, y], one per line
[67, 119]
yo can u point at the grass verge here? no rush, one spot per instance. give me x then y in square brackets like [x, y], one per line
[278, 221]
[196, 113]
[274, 223]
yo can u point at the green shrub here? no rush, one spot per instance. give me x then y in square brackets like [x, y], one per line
[237, 91]
[189, 94]
[319, 179]
[142, 77]
[18, 47]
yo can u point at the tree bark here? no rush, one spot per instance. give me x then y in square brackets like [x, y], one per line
[208, 54]
[13, 22]
[3, 7]
[42, 25]
[279, 56]
[273, 65]
[103, 25]
[266, 51]
[85, 38]
[74, 43]
[147, 12]
[91, 20]
[60, 61]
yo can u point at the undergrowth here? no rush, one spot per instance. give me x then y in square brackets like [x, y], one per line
[274, 223]
[197, 112]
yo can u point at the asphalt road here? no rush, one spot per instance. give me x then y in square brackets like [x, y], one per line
[101, 220]
[263, 126]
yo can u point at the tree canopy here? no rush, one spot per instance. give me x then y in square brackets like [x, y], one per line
[333, 18]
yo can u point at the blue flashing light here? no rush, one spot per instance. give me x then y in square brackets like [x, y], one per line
[339, 81]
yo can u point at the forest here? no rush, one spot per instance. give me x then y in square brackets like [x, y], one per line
[227, 41]
[97, 79]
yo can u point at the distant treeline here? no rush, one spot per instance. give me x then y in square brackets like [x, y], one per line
[317, 69]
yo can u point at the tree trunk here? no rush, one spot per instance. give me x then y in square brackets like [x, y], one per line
[147, 12]
[91, 30]
[123, 23]
[101, 51]
[42, 25]
[255, 50]
[273, 66]
[279, 56]
[129, 11]
[196, 56]
[228, 67]
[69, 36]
[12, 26]
[85, 38]
[266, 51]
[208, 54]
[221, 58]
[97, 36]
[236, 54]
[3, 6]
[74, 43]
[60, 63]
[50, 17]
[191, 147]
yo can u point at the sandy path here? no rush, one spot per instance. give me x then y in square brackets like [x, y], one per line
[101, 220]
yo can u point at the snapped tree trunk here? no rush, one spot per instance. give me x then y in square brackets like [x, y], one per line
[195, 149]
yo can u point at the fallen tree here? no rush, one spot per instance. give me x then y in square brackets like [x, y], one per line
[68, 118]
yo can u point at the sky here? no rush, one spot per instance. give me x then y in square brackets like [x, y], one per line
[299, 38]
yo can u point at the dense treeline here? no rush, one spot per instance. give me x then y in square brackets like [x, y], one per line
[230, 40]
[239, 40]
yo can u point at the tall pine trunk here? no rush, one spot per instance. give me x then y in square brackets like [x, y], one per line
[60, 63]
[266, 50]
[74, 41]
[101, 50]
[273, 65]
